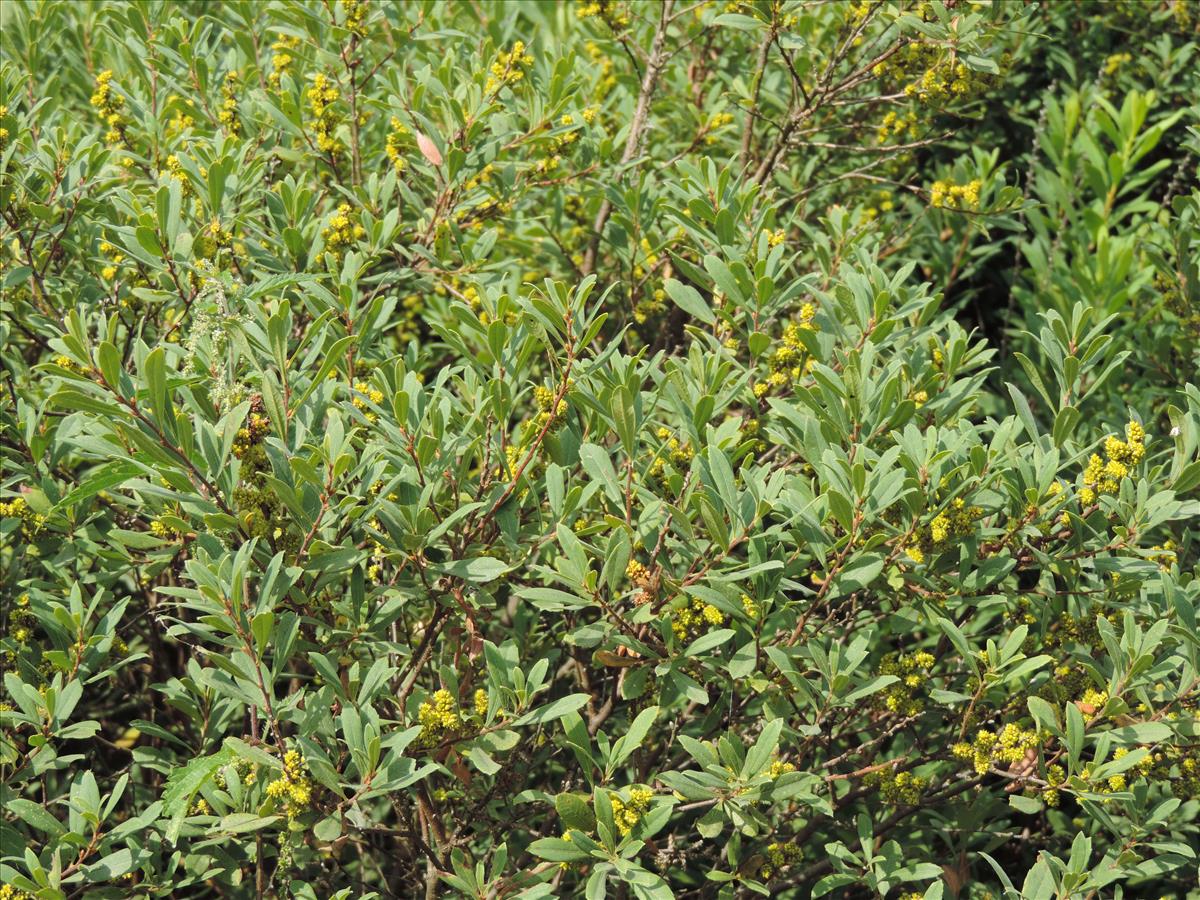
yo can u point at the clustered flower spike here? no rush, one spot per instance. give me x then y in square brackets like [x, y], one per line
[897, 788]
[32, 522]
[395, 144]
[694, 619]
[362, 393]
[292, 790]
[780, 855]
[790, 360]
[1103, 476]
[343, 230]
[228, 114]
[321, 99]
[108, 105]
[281, 59]
[905, 696]
[441, 718]
[627, 813]
[20, 624]
[948, 195]
[356, 17]
[613, 13]
[509, 68]
[679, 455]
[1011, 745]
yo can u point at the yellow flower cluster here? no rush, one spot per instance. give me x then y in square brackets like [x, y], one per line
[108, 106]
[694, 618]
[897, 788]
[343, 230]
[180, 120]
[161, 529]
[1115, 61]
[627, 813]
[1055, 776]
[1164, 554]
[649, 307]
[175, 171]
[780, 767]
[439, 718]
[1092, 701]
[361, 394]
[716, 123]
[884, 202]
[281, 59]
[321, 99]
[1176, 301]
[481, 702]
[789, 361]
[250, 434]
[1188, 784]
[1010, 746]
[614, 14]
[678, 454]
[905, 696]
[779, 855]
[750, 607]
[395, 144]
[293, 789]
[643, 579]
[1103, 476]
[356, 17]
[559, 145]
[948, 195]
[8, 892]
[930, 75]
[776, 237]
[897, 125]
[957, 521]
[509, 67]
[1081, 630]
[856, 12]
[607, 80]
[20, 623]
[549, 412]
[649, 259]
[228, 114]
[31, 522]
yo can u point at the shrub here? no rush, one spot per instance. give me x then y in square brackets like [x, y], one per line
[632, 448]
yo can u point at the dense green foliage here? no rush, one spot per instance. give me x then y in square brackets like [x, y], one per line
[633, 449]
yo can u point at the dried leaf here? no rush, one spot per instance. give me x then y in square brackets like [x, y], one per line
[429, 149]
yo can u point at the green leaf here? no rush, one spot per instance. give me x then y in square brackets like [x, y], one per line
[155, 371]
[332, 358]
[482, 760]
[184, 781]
[1142, 733]
[551, 711]
[148, 240]
[689, 300]
[101, 479]
[575, 812]
[557, 850]
[34, 814]
[482, 569]
[726, 283]
[241, 822]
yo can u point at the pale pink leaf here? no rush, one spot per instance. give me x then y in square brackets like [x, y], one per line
[428, 149]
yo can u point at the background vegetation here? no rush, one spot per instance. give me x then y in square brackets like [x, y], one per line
[632, 449]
